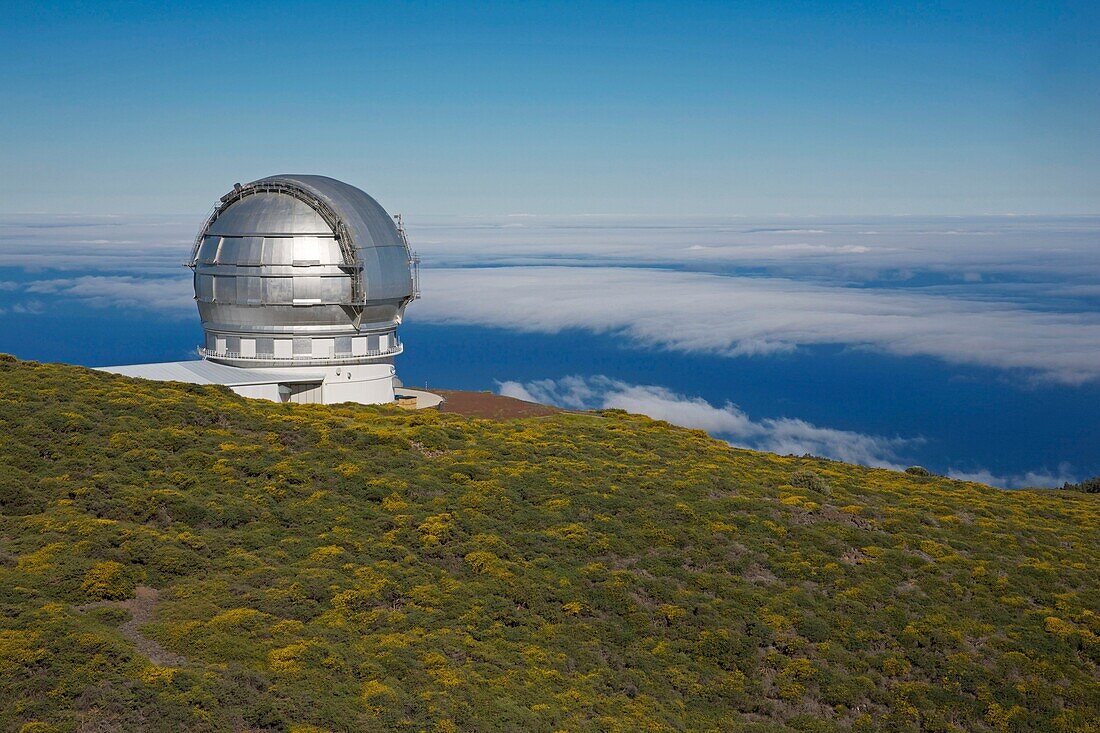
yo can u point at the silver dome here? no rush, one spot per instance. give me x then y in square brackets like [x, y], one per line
[301, 270]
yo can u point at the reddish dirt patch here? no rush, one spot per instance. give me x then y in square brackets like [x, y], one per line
[489, 405]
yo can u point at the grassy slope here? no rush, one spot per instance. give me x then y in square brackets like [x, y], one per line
[355, 568]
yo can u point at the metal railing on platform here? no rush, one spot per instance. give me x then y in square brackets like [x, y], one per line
[302, 360]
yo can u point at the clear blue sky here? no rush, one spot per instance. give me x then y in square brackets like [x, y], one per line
[658, 108]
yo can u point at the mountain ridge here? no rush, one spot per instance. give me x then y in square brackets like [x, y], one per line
[332, 568]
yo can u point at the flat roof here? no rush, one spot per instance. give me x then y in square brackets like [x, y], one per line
[209, 372]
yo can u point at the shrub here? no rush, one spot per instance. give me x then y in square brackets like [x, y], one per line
[18, 648]
[110, 615]
[265, 716]
[809, 480]
[108, 581]
[1088, 486]
[918, 471]
[16, 493]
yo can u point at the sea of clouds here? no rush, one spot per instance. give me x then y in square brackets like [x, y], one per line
[1016, 294]
[779, 435]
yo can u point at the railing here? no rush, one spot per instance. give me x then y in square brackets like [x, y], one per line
[333, 360]
[414, 264]
[193, 259]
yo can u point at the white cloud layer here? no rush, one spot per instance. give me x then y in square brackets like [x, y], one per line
[743, 316]
[694, 312]
[777, 435]
[164, 294]
[143, 245]
[979, 255]
[965, 251]
[1006, 292]
[1043, 479]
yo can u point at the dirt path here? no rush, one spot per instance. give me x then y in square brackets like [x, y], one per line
[141, 608]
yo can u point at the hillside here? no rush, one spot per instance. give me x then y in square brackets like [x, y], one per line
[174, 557]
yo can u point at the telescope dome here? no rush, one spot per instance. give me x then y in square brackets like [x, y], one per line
[298, 270]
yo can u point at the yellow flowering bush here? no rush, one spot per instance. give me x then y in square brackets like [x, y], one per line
[108, 580]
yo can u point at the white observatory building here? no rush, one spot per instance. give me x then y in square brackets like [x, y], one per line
[301, 283]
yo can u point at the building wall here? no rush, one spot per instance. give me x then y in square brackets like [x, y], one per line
[259, 391]
[368, 384]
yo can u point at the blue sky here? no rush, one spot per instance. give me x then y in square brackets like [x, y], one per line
[607, 108]
[863, 231]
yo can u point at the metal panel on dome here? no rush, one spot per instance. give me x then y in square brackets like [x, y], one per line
[250, 251]
[225, 289]
[228, 251]
[389, 259]
[269, 213]
[278, 250]
[370, 228]
[335, 289]
[309, 251]
[278, 290]
[307, 289]
[208, 252]
[249, 290]
[204, 288]
[330, 252]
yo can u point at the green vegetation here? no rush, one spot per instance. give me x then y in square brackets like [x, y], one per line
[355, 568]
[1088, 486]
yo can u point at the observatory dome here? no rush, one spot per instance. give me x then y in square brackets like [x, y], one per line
[298, 270]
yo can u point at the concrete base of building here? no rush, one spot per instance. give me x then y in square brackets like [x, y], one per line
[366, 384]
